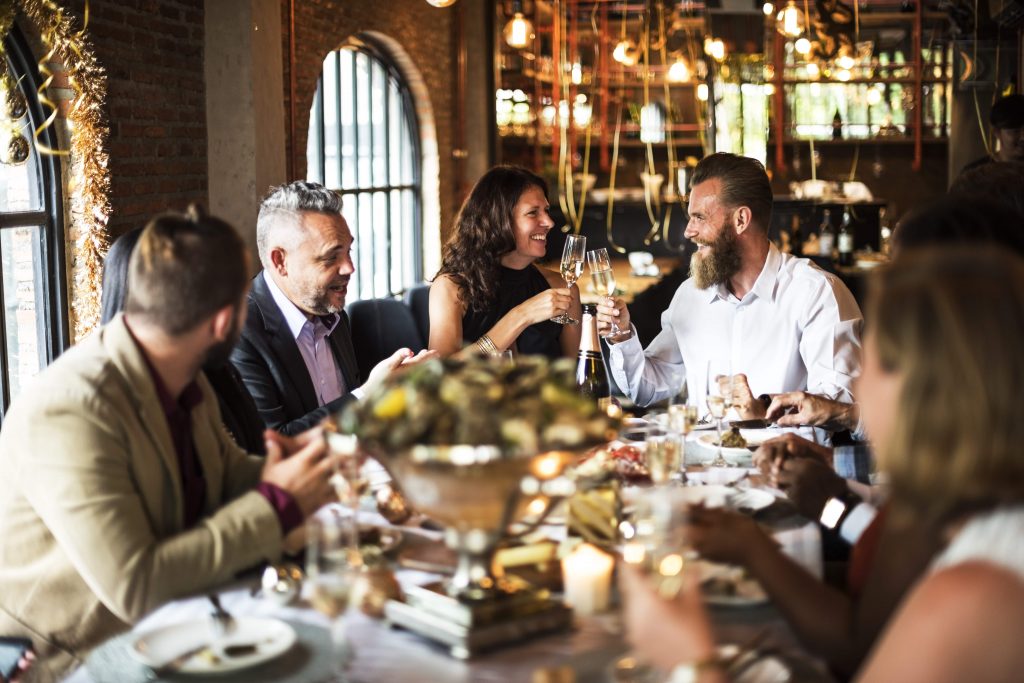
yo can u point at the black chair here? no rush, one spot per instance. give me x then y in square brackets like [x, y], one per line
[417, 298]
[379, 328]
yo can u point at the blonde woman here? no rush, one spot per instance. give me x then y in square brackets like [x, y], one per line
[939, 390]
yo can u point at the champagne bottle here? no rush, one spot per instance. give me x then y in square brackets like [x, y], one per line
[591, 375]
[846, 240]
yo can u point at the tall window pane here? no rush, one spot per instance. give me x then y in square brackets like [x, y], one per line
[370, 137]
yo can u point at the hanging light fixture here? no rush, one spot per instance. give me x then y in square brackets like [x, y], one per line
[714, 48]
[626, 52]
[702, 92]
[680, 71]
[790, 22]
[519, 30]
[802, 46]
[441, 3]
[768, 9]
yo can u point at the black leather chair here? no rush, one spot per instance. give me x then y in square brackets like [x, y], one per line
[417, 298]
[379, 328]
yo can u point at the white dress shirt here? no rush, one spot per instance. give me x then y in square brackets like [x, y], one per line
[798, 328]
[312, 336]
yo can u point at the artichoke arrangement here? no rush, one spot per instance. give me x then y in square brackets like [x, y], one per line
[524, 408]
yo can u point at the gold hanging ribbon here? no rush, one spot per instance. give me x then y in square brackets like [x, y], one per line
[653, 203]
[611, 182]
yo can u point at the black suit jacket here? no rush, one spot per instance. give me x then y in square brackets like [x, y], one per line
[273, 370]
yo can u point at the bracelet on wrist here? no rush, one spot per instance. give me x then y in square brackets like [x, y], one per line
[487, 347]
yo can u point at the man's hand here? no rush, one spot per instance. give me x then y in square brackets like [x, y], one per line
[292, 444]
[771, 455]
[743, 399]
[609, 309]
[796, 408]
[402, 358]
[305, 474]
[724, 535]
[809, 483]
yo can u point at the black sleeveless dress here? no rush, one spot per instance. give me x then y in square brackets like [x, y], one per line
[515, 287]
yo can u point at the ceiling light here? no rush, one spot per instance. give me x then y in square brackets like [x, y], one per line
[790, 21]
[518, 31]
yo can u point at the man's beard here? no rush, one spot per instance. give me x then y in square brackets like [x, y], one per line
[718, 264]
[219, 354]
[319, 302]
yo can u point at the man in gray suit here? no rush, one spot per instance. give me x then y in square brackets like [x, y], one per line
[122, 490]
[295, 354]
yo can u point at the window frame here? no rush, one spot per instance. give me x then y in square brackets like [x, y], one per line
[351, 196]
[52, 324]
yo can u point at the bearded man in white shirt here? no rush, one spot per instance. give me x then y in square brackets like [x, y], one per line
[779, 322]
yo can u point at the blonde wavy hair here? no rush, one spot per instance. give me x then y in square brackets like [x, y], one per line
[951, 322]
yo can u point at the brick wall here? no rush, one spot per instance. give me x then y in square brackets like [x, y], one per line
[424, 32]
[153, 53]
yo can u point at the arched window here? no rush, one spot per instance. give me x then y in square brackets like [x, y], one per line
[364, 142]
[34, 326]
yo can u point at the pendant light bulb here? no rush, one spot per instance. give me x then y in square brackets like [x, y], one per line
[441, 3]
[626, 52]
[680, 71]
[802, 46]
[790, 21]
[519, 30]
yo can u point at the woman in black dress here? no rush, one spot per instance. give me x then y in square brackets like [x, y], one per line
[489, 294]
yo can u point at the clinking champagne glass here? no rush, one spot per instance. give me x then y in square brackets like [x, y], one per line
[331, 571]
[571, 269]
[682, 417]
[349, 482]
[719, 398]
[604, 278]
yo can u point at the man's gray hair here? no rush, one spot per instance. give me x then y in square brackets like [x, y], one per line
[285, 203]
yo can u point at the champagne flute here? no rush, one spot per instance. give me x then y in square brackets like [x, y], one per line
[604, 278]
[348, 480]
[682, 417]
[331, 570]
[719, 398]
[571, 269]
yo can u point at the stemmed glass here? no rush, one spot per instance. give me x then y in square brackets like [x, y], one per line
[571, 269]
[331, 570]
[682, 417]
[719, 400]
[348, 479]
[604, 278]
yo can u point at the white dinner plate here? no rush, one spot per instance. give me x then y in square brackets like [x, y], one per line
[270, 637]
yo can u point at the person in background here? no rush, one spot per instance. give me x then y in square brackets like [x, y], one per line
[295, 354]
[997, 183]
[938, 389]
[489, 291]
[1007, 121]
[784, 323]
[122, 489]
[237, 409]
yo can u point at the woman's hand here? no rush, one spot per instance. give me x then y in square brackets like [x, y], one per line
[612, 309]
[725, 536]
[545, 306]
[665, 633]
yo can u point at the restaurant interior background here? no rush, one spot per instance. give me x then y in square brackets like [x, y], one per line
[402, 104]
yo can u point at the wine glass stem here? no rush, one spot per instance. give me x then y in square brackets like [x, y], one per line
[718, 455]
[339, 648]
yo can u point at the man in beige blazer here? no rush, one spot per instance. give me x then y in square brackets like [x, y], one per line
[121, 489]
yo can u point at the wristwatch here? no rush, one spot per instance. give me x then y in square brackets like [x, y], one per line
[837, 509]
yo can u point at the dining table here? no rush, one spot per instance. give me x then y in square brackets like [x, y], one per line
[591, 650]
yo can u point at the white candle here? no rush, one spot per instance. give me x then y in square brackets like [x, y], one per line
[587, 576]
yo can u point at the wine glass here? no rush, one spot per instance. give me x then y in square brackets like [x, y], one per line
[719, 400]
[682, 417]
[331, 571]
[604, 278]
[571, 269]
[348, 479]
[663, 456]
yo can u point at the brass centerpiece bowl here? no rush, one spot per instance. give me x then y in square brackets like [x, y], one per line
[469, 444]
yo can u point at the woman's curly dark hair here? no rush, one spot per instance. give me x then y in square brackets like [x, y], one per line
[484, 233]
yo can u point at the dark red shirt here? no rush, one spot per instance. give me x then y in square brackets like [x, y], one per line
[193, 483]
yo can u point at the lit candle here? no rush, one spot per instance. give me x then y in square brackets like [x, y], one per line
[587, 576]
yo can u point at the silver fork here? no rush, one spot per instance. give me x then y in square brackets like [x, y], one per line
[223, 622]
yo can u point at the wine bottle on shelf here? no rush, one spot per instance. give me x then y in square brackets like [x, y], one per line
[845, 241]
[591, 374]
[826, 235]
[837, 126]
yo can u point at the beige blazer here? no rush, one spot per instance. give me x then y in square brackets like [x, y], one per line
[91, 509]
